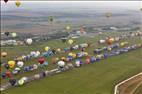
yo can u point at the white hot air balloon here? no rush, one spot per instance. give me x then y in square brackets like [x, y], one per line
[61, 63]
[29, 41]
[20, 64]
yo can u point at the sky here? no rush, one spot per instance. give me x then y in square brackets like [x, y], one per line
[133, 5]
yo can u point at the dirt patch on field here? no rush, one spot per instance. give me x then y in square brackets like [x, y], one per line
[130, 86]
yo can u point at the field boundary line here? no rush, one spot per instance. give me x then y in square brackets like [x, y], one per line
[116, 86]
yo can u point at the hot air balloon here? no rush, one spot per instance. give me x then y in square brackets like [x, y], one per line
[3, 54]
[11, 64]
[41, 60]
[20, 64]
[78, 63]
[82, 30]
[46, 48]
[108, 14]
[21, 82]
[61, 64]
[5, 1]
[12, 81]
[68, 27]
[6, 66]
[51, 18]
[88, 61]
[29, 41]
[70, 41]
[8, 74]
[64, 40]
[7, 33]
[109, 41]
[13, 34]
[17, 3]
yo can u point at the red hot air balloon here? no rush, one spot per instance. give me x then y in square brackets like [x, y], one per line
[41, 60]
[8, 74]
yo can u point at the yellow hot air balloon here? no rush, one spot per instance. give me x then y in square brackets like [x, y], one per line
[21, 82]
[46, 48]
[14, 34]
[70, 54]
[17, 3]
[68, 27]
[74, 55]
[11, 63]
[70, 41]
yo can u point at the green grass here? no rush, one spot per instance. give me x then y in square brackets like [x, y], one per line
[98, 78]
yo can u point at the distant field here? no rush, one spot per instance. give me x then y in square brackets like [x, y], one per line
[97, 78]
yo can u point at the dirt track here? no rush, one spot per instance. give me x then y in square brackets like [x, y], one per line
[130, 86]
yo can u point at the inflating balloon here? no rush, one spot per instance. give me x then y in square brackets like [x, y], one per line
[41, 60]
[11, 64]
[70, 41]
[17, 3]
[3, 54]
[14, 34]
[46, 48]
[29, 41]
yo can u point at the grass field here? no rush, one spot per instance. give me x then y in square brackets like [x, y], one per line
[97, 78]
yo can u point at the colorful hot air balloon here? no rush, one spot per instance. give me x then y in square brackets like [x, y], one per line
[3, 54]
[70, 41]
[11, 63]
[17, 3]
[41, 60]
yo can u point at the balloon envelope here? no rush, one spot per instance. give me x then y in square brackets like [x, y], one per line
[20, 64]
[70, 41]
[3, 54]
[29, 41]
[14, 34]
[17, 3]
[41, 60]
[46, 48]
[11, 64]
[61, 63]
